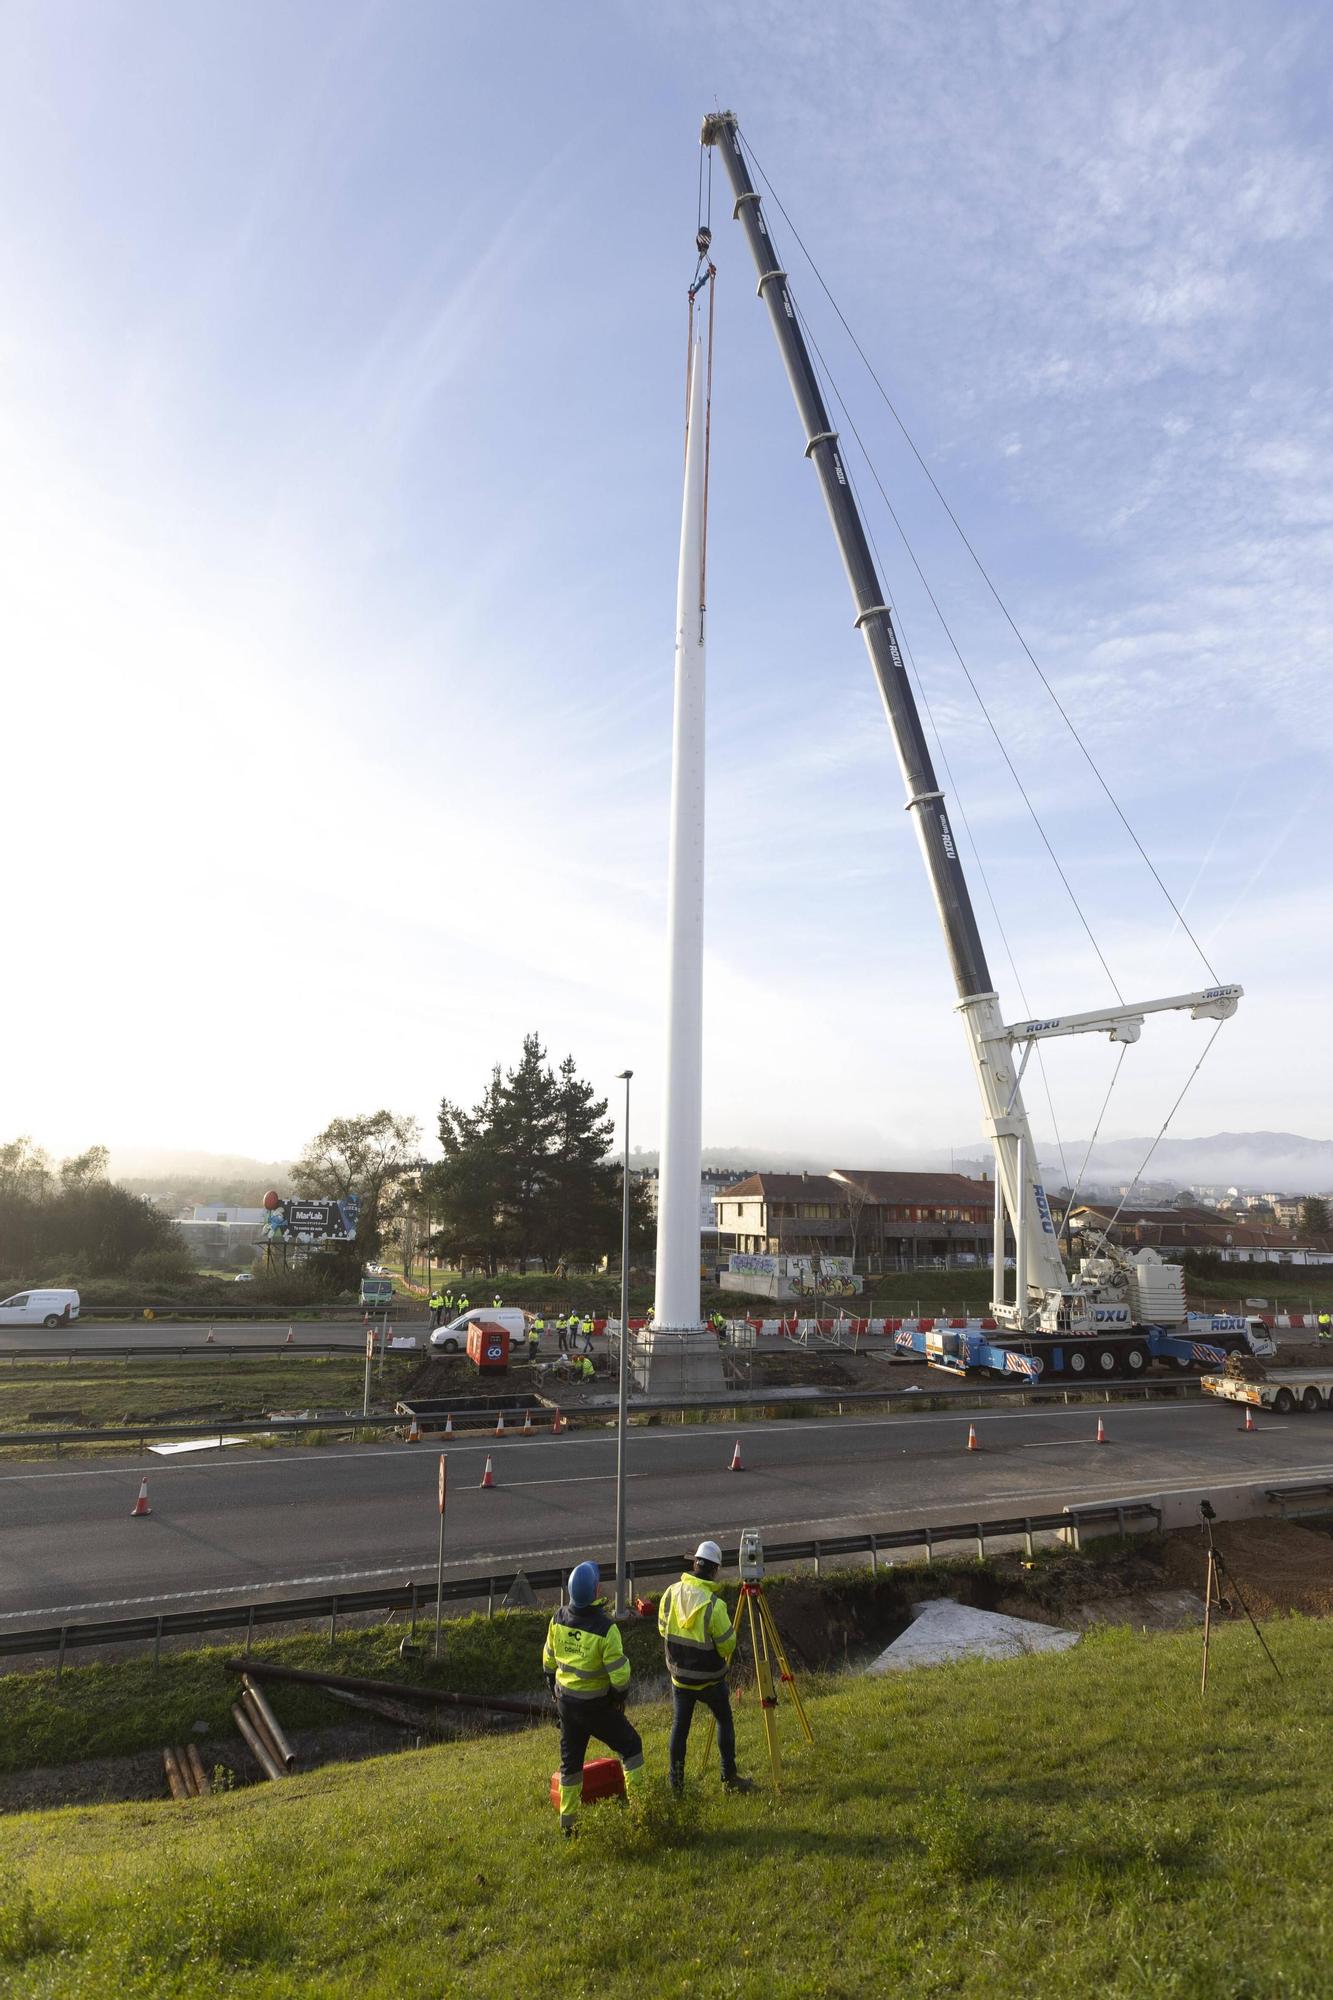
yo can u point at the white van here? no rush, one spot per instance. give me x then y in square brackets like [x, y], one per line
[39, 1309]
[452, 1339]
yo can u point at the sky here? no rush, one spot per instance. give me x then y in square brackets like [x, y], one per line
[341, 358]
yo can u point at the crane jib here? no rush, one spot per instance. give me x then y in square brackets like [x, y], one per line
[925, 800]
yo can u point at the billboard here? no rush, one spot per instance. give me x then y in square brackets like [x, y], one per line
[319, 1221]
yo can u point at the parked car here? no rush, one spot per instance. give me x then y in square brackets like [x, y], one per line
[46, 1308]
[452, 1339]
[244, 1278]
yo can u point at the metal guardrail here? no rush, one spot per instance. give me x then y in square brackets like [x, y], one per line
[894, 1401]
[414, 1597]
[158, 1352]
[1316, 1489]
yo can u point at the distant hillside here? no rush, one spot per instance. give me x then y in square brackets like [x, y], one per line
[198, 1177]
[1280, 1162]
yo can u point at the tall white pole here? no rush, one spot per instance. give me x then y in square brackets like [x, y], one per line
[622, 1385]
[677, 1289]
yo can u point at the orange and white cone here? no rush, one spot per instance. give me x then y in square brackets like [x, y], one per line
[488, 1477]
[736, 1465]
[141, 1505]
[413, 1433]
[527, 1423]
[449, 1425]
[972, 1444]
[290, 1337]
[208, 1338]
[1101, 1432]
[557, 1421]
[1249, 1423]
[500, 1425]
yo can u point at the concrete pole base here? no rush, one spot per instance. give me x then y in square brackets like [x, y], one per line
[678, 1361]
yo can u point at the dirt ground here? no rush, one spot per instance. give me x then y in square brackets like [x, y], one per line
[1279, 1566]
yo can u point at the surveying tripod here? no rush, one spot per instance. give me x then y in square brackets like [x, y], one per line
[1212, 1595]
[768, 1650]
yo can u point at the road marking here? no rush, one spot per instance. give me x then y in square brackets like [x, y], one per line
[676, 1436]
[891, 1521]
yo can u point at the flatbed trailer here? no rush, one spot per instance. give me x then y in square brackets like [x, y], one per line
[1120, 1350]
[1285, 1390]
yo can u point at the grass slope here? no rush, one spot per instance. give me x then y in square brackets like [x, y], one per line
[107, 1391]
[1056, 1826]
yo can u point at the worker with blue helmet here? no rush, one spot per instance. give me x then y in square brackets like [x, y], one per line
[586, 1670]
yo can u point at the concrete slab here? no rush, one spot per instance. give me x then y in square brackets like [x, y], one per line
[945, 1630]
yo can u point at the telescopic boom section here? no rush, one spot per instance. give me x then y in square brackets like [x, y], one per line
[1040, 1279]
[925, 800]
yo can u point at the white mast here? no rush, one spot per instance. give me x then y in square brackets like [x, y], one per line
[677, 1295]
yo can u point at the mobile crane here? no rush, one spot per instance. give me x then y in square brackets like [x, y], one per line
[1117, 1310]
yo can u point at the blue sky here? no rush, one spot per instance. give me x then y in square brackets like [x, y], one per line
[342, 350]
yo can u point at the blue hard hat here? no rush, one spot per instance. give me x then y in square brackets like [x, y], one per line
[583, 1583]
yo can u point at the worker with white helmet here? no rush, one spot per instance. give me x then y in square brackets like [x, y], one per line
[700, 1639]
[587, 1672]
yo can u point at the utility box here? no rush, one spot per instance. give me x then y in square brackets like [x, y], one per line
[488, 1345]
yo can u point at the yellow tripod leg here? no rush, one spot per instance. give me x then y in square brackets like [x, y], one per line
[763, 1675]
[785, 1673]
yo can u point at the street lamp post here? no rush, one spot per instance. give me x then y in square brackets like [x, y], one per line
[622, 1405]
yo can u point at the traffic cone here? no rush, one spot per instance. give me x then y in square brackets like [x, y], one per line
[500, 1425]
[449, 1425]
[290, 1337]
[413, 1433]
[736, 1465]
[488, 1477]
[141, 1505]
[527, 1423]
[1249, 1423]
[208, 1338]
[557, 1422]
[972, 1444]
[1101, 1432]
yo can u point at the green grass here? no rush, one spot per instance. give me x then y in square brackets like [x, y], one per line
[1047, 1826]
[98, 1710]
[108, 1391]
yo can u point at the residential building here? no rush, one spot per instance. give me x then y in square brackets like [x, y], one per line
[712, 1181]
[1178, 1230]
[882, 1220]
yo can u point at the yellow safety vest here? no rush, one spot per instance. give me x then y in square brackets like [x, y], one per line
[584, 1651]
[700, 1636]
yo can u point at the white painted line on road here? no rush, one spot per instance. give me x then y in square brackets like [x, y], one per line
[285, 1459]
[1015, 1506]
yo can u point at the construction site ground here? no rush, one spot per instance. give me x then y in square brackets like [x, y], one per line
[1145, 1583]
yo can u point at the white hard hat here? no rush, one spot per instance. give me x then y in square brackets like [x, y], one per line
[708, 1552]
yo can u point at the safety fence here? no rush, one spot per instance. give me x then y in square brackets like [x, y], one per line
[495, 1585]
[767, 1404]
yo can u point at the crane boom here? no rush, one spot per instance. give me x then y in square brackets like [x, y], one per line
[1043, 1297]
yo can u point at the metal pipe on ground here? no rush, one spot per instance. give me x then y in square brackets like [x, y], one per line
[269, 1670]
[259, 1712]
[263, 1756]
[285, 1752]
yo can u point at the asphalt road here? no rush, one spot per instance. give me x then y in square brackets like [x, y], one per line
[87, 1336]
[246, 1522]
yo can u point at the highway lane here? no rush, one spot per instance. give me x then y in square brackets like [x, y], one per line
[92, 1336]
[285, 1519]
